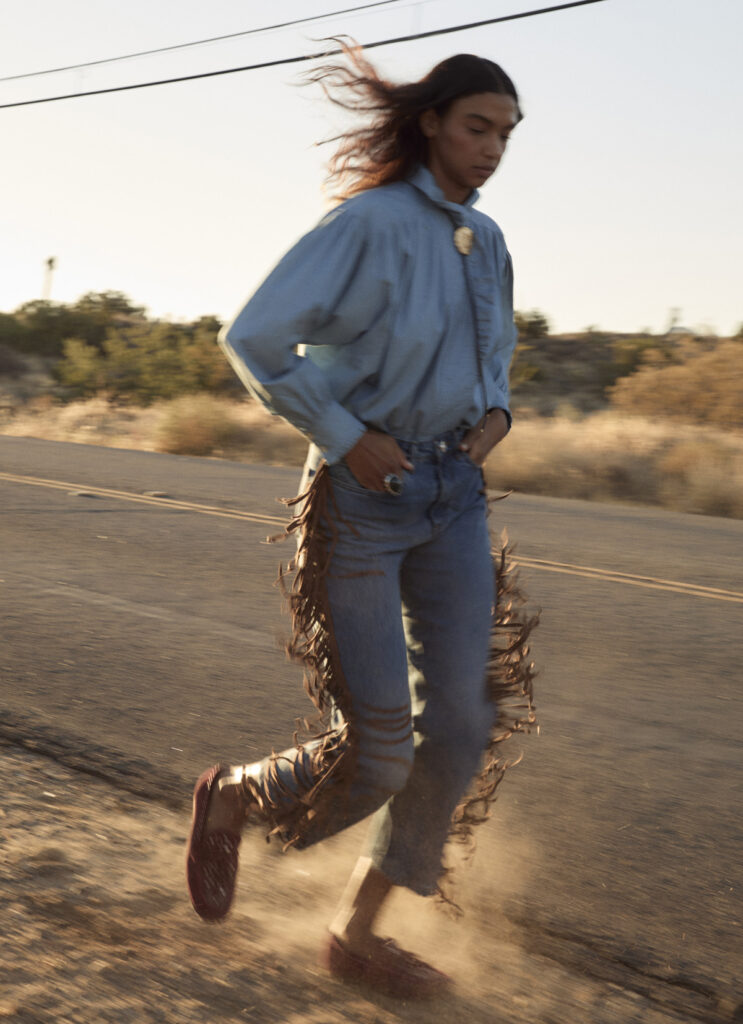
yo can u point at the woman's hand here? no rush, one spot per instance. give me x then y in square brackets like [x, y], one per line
[374, 456]
[481, 439]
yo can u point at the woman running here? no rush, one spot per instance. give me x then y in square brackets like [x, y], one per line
[385, 336]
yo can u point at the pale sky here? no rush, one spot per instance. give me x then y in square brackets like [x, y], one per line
[620, 195]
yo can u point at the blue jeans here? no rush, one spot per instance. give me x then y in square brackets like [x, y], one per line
[411, 592]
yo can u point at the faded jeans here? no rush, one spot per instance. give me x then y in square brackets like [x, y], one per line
[411, 591]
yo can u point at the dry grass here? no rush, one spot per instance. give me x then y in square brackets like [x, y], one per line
[606, 456]
[92, 421]
[199, 425]
[602, 456]
[191, 425]
[205, 425]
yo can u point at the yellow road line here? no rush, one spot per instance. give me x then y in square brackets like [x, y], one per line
[608, 576]
[541, 564]
[145, 499]
[628, 577]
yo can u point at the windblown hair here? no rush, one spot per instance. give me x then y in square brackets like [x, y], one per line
[389, 148]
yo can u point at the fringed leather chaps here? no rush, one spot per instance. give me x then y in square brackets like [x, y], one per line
[509, 681]
[332, 735]
[312, 644]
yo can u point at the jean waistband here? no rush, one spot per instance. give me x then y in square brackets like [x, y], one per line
[436, 447]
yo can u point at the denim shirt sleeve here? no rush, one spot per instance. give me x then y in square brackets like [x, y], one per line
[325, 291]
[498, 387]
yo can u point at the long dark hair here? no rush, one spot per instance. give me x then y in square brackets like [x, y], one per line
[392, 144]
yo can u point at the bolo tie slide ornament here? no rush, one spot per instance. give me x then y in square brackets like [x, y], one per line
[464, 239]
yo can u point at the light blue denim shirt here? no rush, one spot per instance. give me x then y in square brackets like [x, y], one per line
[375, 319]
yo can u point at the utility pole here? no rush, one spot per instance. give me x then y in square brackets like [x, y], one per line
[46, 291]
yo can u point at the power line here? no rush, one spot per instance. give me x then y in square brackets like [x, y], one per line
[300, 59]
[197, 42]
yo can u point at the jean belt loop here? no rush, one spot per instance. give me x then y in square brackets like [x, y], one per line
[408, 448]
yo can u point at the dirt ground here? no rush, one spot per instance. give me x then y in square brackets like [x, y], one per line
[97, 927]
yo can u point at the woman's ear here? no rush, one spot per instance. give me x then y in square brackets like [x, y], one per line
[429, 123]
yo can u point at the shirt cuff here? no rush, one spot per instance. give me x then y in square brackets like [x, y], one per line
[336, 432]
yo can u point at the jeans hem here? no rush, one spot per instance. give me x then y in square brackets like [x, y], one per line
[399, 878]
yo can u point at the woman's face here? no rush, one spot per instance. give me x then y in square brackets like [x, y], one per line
[465, 144]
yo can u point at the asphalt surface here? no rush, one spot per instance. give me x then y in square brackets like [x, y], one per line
[142, 641]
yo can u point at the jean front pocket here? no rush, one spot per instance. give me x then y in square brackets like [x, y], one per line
[342, 477]
[467, 460]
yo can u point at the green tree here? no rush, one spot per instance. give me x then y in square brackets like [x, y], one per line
[148, 361]
[95, 313]
[43, 326]
[145, 362]
[82, 369]
[12, 332]
[204, 365]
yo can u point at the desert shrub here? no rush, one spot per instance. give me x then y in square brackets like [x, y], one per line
[146, 362]
[95, 313]
[707, 388]
[628, 354]
[531, 324]
[42, 327]
[271, 439]
[13, 333]
[208, 424]
[204, 366]
[199, 425]
[81, 369]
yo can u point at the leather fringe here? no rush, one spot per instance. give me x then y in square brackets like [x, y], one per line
[313, 645]
[509, 681]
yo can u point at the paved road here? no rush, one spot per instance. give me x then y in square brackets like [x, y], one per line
[133, 624]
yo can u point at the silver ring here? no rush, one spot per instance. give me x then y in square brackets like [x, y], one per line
[392, 484]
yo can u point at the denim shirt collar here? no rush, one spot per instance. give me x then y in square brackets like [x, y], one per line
[424, 181]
